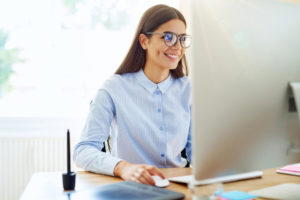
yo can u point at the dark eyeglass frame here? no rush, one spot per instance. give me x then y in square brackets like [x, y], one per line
[178, 37]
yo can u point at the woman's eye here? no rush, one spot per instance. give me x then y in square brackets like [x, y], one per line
[169, 37]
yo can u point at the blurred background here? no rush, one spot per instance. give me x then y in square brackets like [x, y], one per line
[54, 55]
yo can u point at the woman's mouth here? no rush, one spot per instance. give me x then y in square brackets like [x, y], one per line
[172, 57]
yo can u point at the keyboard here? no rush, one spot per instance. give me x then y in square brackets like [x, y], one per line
[222, 179]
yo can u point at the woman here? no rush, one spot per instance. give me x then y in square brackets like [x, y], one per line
[145, 106]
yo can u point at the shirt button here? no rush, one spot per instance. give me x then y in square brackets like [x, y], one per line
[159, 110]
[162, 155]
[161, 128]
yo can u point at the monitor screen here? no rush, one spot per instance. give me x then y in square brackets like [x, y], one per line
[243, 56]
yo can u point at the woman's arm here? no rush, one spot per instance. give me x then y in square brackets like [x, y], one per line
[87, 153]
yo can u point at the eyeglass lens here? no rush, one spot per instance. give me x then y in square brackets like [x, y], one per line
[171, 39]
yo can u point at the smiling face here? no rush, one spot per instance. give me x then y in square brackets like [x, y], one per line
[158, 54]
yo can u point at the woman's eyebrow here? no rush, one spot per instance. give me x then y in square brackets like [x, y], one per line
[175, 33]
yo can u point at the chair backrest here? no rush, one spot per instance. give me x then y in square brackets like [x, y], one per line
[183, 155]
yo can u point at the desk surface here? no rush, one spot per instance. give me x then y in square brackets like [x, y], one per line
[49, 184]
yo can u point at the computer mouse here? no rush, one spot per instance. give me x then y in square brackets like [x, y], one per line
[159, 182]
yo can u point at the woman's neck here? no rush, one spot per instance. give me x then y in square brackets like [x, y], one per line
[156, 74]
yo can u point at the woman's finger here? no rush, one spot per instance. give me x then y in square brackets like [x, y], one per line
[141, 175]
[134, 179]
[143, 180]
[148, 177]
[155, 171]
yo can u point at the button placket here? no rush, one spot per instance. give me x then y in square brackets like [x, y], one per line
[161, 125]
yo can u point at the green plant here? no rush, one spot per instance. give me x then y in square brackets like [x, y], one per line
[111, 14]
[71, 4]
[8, 57]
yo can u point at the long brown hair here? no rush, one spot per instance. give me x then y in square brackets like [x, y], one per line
[150, 21]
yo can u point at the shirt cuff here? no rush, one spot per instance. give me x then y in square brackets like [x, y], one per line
[108, 165]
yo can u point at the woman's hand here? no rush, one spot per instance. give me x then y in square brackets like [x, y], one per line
[137, 172]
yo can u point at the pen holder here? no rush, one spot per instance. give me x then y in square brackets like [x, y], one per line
[69, 180]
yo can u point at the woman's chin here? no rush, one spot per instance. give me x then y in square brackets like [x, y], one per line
[170, 66]
[173, 66]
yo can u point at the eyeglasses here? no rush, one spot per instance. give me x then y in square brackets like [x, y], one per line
[171, 39]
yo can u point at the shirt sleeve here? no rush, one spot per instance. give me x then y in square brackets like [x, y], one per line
[188, 146]
[87, 153]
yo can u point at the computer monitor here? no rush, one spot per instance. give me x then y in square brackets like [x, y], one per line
[243, 56]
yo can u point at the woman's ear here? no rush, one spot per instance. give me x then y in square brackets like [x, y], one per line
[143, 41]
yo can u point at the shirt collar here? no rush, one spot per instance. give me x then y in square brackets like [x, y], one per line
[150, 86]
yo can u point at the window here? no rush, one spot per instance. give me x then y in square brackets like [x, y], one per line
[62, 50]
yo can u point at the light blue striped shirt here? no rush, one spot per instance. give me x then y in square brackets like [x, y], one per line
[149, 123]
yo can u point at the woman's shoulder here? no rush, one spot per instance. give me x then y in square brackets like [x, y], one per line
[184, 79]
[183, 82]
[117, 81]
[185, 88]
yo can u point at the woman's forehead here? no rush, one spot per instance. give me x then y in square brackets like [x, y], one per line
[175, 25]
